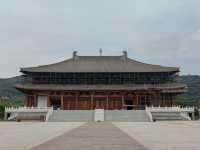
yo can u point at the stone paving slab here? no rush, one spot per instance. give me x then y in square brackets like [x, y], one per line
[164, 135]
[92, 136]
[25, 135]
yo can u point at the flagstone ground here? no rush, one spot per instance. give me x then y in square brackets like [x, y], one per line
[174, 135]
[93, 136]
[24, 135]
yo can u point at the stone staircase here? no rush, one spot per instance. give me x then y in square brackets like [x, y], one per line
[72, 116]
[89, 115]
[161, 116]
[126, 116]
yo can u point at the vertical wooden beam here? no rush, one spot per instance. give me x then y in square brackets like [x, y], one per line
[163, 104]
[34, 101]
[160, 98]
[107, 102]
[76, 99]
[92, 101]
[155, 99]
[26, 101]
[48, 100]
[171, 100]
[62, 102]
[137, 98]
[122, 102]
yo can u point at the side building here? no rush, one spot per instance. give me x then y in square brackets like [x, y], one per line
[106, 82]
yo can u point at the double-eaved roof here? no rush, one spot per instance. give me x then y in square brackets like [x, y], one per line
[172, 87]
[101, 64]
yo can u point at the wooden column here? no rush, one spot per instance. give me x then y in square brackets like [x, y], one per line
[171, 97]
[26, 101]
[154, 99]
[92, 101]
[160, 98]
[107, 102]
[76, 99]
[137, 99]
[62, 102]
[122, 102]
[48, 101]
[34, 101]
[163, 104]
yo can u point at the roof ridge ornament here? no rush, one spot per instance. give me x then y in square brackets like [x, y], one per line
[100, 51]
[75, 56]
[125, 55]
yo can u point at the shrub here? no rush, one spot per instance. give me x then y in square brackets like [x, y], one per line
[2, 110]
[196, 113]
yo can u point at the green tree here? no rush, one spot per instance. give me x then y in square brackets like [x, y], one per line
[2, 110]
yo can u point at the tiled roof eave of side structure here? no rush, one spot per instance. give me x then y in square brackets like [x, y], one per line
[101, 64]
[165, 88]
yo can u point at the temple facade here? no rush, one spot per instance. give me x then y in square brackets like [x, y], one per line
[100, 82]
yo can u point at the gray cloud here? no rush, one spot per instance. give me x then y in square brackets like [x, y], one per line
[34, 32]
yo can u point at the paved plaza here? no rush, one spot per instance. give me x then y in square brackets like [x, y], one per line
[100, 136]
[181, 135]
[93, 136]
[24, 135]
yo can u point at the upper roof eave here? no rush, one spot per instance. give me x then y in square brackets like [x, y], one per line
[100, 64]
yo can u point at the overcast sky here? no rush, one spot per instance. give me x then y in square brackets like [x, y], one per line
[36, 32]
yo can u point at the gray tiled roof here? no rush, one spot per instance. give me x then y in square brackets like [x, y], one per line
[166, 87]
[100, 64]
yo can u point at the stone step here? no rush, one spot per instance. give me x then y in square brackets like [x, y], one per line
[89, 115]
[72, 115]
[167, 116]
[126, 116]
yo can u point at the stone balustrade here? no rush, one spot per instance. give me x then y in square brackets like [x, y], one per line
[170, 109]
[27, 109]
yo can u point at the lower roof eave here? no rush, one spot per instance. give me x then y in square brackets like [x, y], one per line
[173, 88]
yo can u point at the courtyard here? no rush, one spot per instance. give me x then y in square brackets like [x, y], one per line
[24, 135]
[174, 135]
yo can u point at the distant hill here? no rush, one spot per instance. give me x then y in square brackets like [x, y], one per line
[7, 88]
[189, 98]
[192, 97]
